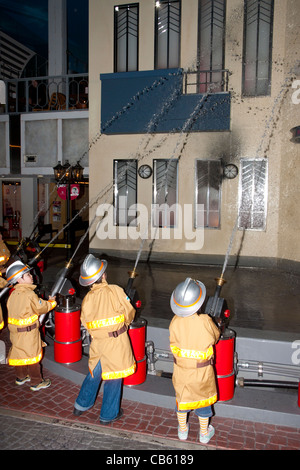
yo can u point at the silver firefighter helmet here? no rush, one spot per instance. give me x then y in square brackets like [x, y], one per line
[15, 271]
[91, 270]
[187, 297]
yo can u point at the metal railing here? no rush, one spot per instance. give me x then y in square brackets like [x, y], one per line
[70, 92]
[206, 81]
[48, 93]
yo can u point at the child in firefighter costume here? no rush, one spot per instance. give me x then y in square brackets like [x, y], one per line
[24, 308]
[3, 283]
[192, 336]
[4, 257]
[106, 312]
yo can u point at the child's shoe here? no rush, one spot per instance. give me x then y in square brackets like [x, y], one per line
[44, 384]
[205, 438]
[182, 435]
[23, 381]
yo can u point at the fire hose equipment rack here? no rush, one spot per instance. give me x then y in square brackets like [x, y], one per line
[137, 335]
[67, 339]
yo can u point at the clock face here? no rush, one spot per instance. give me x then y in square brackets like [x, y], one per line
[230, 171]
[145, 171]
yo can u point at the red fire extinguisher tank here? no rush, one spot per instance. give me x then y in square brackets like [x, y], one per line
[137, 335]
[67, 340]
[224, 365]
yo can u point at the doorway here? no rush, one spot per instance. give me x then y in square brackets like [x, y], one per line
[11, 200]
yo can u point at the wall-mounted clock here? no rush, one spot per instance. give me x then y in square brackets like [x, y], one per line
[230, 171]
[145, 171]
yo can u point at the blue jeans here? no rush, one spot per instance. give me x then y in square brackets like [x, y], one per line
[205, 412]
[111, 394]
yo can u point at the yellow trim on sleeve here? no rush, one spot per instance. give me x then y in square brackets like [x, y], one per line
[191, 353]
[24, 322]
[105, 322]
[121, 374]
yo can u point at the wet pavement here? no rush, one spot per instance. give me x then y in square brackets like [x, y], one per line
[265, 299]
[260, 299]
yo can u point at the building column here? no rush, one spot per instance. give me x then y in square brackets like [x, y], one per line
[57, 41]
[29, 205]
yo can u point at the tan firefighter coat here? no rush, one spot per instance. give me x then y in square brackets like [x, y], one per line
[106, 312]
[24, 308]
[191, 340]
[4, 253]
[3, 283]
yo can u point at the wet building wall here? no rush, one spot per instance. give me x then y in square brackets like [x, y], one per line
[259, 131]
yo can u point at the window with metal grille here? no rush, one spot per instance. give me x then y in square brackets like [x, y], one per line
[165, 174]
[167, 34]
[253, 194]
[125, 191]
[208, 193]
[126, 34]
[258, 35]
[211, 45]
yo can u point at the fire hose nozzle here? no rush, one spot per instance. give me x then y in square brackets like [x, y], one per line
[20, 244]
[33, 260]
[133, 274]
[220, 281]
[68, 265]
[129, 291]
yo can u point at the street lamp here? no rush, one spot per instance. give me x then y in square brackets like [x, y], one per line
[67, 174]
[58, 171]
[77, 172]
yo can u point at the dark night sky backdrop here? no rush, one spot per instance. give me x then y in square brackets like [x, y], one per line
[27, 22]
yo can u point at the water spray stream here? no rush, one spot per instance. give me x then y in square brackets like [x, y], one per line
[186, 129]
[153, 122]
[229, 247]
[277, 104]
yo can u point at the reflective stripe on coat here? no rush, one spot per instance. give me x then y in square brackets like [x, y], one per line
[4, 253]
[3, 283]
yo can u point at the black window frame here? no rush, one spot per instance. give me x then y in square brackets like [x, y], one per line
[209, 75]
[126, 6]
[156, 42]
[247, 6]
[125, 172]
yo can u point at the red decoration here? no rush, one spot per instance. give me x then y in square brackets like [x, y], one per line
[62, 191]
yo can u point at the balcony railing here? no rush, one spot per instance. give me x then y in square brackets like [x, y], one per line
[49, 93]
[206, 81]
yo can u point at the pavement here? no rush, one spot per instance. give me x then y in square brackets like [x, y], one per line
[142, 427]
[46, 416]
